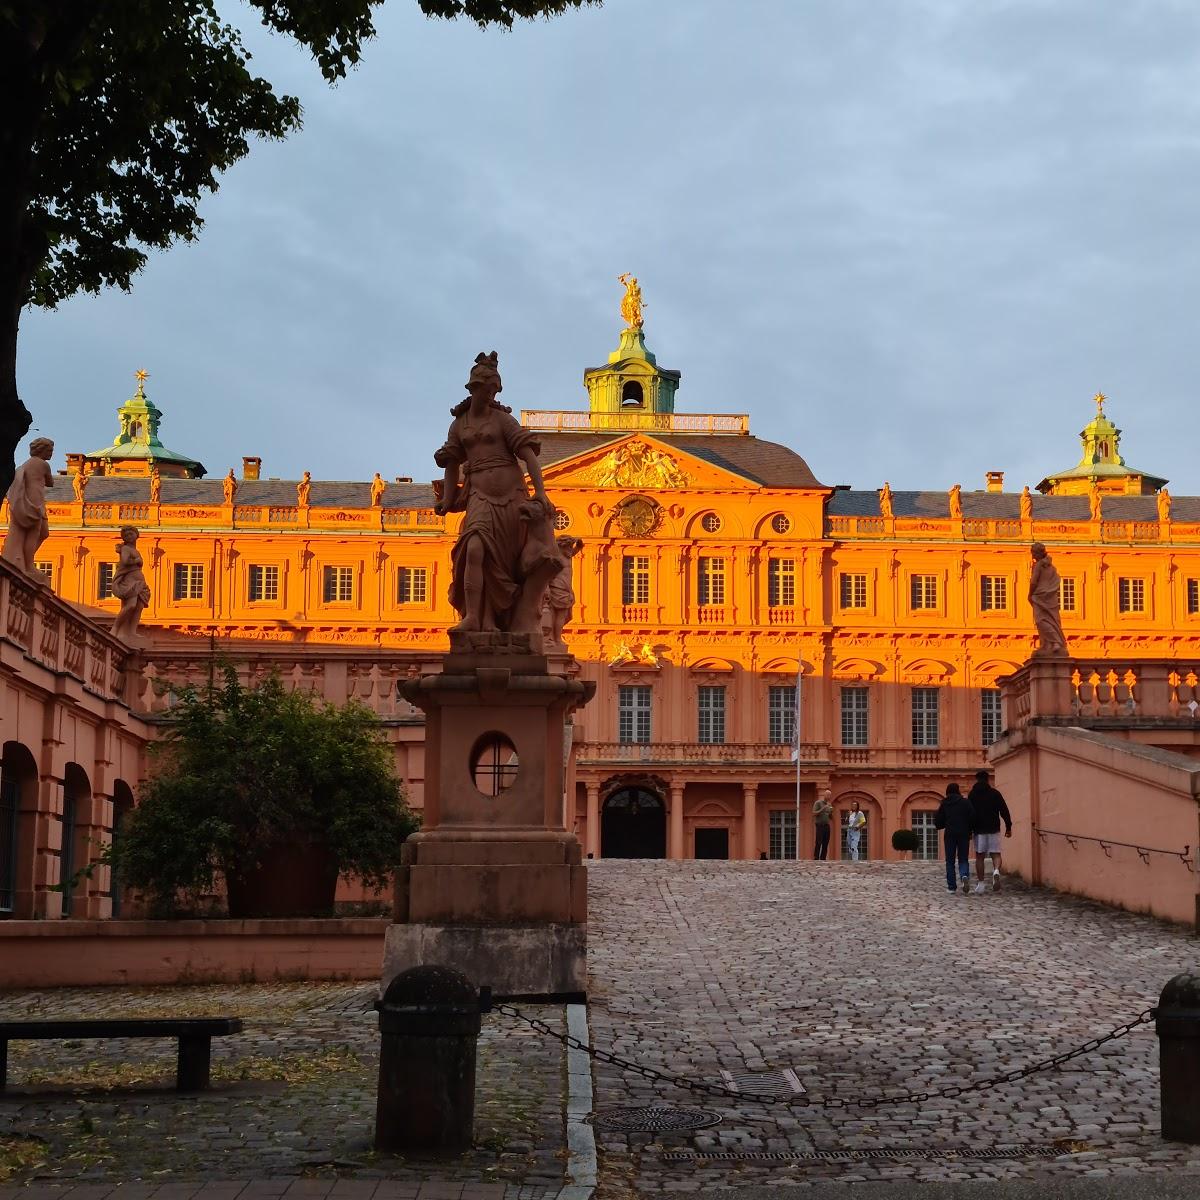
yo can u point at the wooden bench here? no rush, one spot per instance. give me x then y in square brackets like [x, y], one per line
[195, 1036]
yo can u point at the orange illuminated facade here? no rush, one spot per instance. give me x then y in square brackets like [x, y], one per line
[713, 563]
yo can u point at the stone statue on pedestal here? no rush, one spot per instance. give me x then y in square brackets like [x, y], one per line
[505, 555]
[28, 526]
[378, 487]
[885, 501]
[1026, 504]
[956, 502]
[129, 585]
[1045, 598]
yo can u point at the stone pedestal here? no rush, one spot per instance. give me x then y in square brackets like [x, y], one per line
[494, 885]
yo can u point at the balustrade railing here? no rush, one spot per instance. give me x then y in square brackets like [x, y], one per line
[757, 753]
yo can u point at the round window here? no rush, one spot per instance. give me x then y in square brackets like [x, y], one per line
[562, 520]
[711, 522]
[493, 764]
[780, 523]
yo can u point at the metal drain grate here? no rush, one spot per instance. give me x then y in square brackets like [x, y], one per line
[764, 1083]
[919, 1152]
[654, 1118]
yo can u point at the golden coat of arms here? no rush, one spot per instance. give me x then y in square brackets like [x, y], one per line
[638, 465]
[638, 517]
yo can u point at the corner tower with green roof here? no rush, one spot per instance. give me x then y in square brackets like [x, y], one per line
[136, 450]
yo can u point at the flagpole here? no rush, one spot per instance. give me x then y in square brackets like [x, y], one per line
[799, 675]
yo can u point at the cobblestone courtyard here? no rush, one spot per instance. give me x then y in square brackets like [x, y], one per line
[863, 979]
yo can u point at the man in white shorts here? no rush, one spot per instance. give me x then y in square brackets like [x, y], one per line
[989, 809]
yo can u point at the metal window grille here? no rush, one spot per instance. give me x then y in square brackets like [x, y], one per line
[264, 583]
[781, 582]
[1131, 595]
[1066, 595]
[10, 806]
[781, 715]
[1193, 596]
[104, 578]
[781, 523]
[412, 585]
[635, 579]
[189, 581]
[993, 593]
[924, 716]
[711, 522]
[66, 853]
[339, 585]
[853, 591]
[495, 766]
[781, 834]
[923, 591]
[927, 834]
[855, 716]
[991, 715]
[711, 573]
[712, 715]
[633, 714]
[863, 847]
[562, 520]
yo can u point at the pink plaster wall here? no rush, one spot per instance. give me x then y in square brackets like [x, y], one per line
[1081, 782]
[88, 953]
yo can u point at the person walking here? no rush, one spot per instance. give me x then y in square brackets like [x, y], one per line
[855, 824]
[955, 815]
[988, 809]
[822, 819]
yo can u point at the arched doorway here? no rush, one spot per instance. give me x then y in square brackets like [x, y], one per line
[18, 815]
[122, 810]
[633, 825]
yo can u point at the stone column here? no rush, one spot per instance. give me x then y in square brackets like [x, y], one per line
[750, 820]
[592, 832]
[675, 817]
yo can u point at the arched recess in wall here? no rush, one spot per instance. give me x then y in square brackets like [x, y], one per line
[73, 849]
[122, 812]
[18, 823]
[696, 526]
[986, 673]
[798, 528]
[917, 813]
[872, 843]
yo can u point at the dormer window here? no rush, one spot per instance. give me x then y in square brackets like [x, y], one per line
[631, 395]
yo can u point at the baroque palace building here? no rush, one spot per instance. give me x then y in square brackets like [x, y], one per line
[713, 564]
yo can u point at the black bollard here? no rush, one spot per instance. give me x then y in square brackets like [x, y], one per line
[1177, 1024]
[429, 1019]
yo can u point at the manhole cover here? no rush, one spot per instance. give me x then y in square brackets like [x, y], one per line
[654, 1118]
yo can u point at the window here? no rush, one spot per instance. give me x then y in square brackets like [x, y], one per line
[635, 579]
[711, 576]
[855, 726]
[712, 715]
[633, 714]
[263, 583]
[189, 581]
[992, 720]
[47, 569]
[927, 834]
[863, 851]
[781, 523]
[924, 716]
[993, 593]
[781, 582]
[923, 591]
[412, 585]
[1066, 595]
[10, 804]
[1193, 597]
[562, 520]
[1131, 595]
[104, 578]
[338, 585]
[781, 715]
[852, 591]
[711, 523]
[781, 836]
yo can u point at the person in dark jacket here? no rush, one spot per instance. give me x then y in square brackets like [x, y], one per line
[955, 815]
[989, 809]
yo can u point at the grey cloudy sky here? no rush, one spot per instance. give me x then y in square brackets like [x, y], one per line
[910, 237]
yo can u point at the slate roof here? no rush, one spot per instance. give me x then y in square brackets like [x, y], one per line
[1007, 506]
[117, 489]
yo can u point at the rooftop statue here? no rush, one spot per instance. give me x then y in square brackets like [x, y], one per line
[378, 487]
[28, 527]
[505, 555]
[885, 500]
[631, 302]
[1164, 505]
[229, 487]
[129, 585]
[1045, 596]
[304, 489]
[956, 501]
[80, 482]
[1026, 504]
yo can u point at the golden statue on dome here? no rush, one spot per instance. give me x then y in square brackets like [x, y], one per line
[631, 302]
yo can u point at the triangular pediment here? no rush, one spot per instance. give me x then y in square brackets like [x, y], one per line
[643, 463]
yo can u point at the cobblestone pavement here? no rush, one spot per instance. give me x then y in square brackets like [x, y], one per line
[294, 1095]
[868, 979]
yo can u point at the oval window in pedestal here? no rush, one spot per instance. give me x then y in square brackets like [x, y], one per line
[493, 764]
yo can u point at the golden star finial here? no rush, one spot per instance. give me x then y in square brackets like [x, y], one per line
[1100, 398]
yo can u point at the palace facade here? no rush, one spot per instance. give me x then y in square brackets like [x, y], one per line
[715, 567]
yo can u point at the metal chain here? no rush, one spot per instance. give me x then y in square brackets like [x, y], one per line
[712, 1089]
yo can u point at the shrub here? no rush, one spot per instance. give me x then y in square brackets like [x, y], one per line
[905, 839]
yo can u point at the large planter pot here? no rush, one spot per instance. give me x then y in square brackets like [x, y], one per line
[292, 879]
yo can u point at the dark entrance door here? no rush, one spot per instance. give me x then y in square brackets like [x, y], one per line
[712, 843]
[634, 825]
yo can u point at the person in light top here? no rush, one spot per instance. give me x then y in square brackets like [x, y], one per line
[855, 824]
